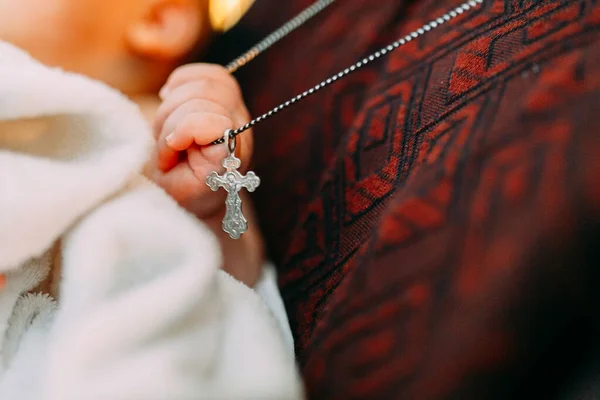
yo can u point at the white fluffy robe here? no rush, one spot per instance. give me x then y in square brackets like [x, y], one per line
[144, 311]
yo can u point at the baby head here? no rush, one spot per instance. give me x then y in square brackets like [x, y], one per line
[132, 45]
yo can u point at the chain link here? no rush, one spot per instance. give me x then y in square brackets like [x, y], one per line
[320, 5]
[279, 34]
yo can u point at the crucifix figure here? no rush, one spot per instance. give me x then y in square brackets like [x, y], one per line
[234, 222]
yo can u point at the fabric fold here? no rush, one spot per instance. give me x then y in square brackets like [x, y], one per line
[144, 310]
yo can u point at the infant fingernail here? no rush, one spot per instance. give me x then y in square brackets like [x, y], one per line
[170, 138]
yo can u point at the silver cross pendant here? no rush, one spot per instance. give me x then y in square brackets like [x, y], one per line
[234, 222]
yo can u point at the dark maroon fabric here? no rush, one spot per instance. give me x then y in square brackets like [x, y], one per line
[435, 216]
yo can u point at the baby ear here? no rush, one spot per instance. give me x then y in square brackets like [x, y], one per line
[168, 29]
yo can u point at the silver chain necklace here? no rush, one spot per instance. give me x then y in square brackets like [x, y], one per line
[234, 222]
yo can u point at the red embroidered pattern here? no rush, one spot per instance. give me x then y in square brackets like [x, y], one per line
[435, 216]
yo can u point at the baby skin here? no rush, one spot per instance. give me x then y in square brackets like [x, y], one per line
[136, 46]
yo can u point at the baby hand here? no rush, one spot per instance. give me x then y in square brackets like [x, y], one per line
[200, 102]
